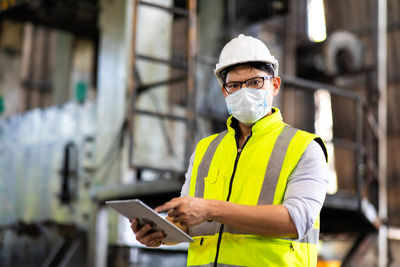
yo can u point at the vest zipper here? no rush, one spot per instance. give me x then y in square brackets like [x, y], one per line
[221, 229]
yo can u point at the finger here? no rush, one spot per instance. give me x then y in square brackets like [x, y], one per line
[174, 213]
[168, 205]
[178, 219]
[134, 225]
[164, 207]
[153, 238]
[155, 244]
[157, 236]
[143, 231]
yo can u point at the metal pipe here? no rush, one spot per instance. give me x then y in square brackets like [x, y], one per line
[69, 253]
[380, 33]
[359, 152]
[382, 103]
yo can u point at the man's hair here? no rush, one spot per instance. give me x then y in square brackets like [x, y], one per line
[257, 65]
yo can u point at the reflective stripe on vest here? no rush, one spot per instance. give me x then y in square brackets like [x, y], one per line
[207, 227]
[312, 237]
[274, 165]
[206, 162]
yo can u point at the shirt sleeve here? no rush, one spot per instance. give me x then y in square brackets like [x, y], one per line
[186, 186]
[306, 188]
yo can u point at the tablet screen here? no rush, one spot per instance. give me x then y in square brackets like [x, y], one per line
[134, 208]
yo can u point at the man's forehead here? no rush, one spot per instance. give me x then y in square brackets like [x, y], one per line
[243, 70]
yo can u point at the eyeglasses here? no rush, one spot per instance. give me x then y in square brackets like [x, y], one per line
[254, 83]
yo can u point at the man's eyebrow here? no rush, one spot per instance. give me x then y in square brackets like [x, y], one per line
[244, 80]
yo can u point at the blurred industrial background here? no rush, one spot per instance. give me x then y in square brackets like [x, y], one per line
[105, 99]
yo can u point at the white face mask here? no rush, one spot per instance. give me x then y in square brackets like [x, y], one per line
[248, 105]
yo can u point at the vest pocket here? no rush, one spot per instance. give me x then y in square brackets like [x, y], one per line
[202, 250]
[278, 252]
[214, 186]
[284, 243]
[210, 179]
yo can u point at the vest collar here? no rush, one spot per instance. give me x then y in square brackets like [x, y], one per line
[261, 126]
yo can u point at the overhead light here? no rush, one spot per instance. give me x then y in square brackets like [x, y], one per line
[316, 20]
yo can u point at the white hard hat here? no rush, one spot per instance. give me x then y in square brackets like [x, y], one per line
[244, 49]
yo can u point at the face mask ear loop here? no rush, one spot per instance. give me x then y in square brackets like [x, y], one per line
[266, 99]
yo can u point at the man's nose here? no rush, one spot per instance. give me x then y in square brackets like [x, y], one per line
[241, 84]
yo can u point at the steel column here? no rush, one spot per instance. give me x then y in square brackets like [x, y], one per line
[191, 81]
[132, 92]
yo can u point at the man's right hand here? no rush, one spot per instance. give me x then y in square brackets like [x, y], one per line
[146, 235]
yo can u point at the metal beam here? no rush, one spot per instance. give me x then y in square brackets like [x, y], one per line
[134, 190]
[65, 15]
[314, 86]
[143, 87]
[394, 233]
[172, 10]
[361, 245]
[160, 115]
[343, 143]
[173, 62]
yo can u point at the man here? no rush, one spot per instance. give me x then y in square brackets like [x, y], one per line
[253, 192]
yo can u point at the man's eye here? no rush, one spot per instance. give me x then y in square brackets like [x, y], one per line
[233, 86]
[254, 83]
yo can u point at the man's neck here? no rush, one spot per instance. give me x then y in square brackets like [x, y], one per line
[245, 130]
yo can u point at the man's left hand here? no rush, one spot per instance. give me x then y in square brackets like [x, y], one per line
[186, 210]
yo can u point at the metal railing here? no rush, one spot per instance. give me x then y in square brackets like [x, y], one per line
[365, 123]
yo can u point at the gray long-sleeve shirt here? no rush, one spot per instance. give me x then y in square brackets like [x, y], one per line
[305, 190]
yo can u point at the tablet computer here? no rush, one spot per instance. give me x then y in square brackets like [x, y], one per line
[134, 208]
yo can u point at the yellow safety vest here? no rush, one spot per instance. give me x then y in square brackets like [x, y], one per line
[257, 175]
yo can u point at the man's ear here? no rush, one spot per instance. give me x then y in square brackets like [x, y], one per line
[276, 83]
[224, 91]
